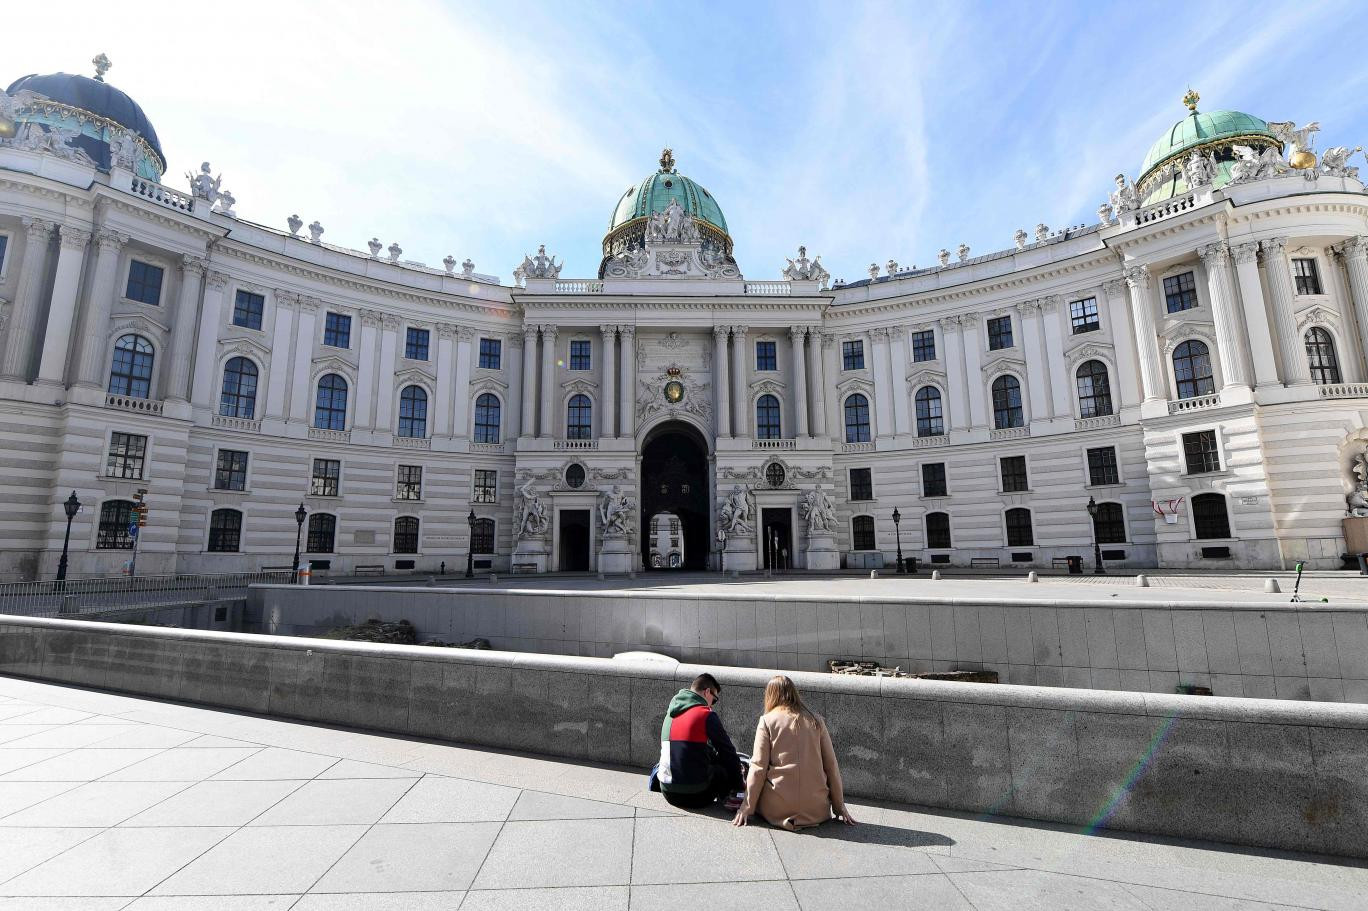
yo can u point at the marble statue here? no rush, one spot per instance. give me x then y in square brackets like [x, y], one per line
[226, 201]
[1124, 197]
[1335, 162]
[804, 269]
[819, 511]
[944, 257]
[892, 267]
[395, 251]
[1199, 170]
[963, 252]
[615, 511]
[672, 226]
[123, 151]
[532, 521]
[204, 185]
[1042, 233]
[1104, 214]
[541, 265]
[55, 140]
[295, 223]
[733, 516]
[449, 263]
[1020, 237]
[1251, 165]
[11, 105]
[873, 271]
[315, 232]
[1299, 138]
[375, 247]
[1358, 498]
[468, 269]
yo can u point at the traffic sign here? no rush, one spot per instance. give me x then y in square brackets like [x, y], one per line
[133, 531]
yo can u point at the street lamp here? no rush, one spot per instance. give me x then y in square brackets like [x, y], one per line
[897, 518]
[300, 513]
[72, 506]
[1097, 548]
[470, 548]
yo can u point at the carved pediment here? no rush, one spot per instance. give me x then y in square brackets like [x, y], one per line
[1005, 364]
[333, 362]
[853, 384]
[926, 377]
[415, 375]
[1088, 351]
[1316, 316]
[246, 347]
[579, 384]
[760, 387]
[1181, 332]
[487, 383]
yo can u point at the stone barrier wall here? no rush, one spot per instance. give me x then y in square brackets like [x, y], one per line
[1282, 651]
[1257, 772]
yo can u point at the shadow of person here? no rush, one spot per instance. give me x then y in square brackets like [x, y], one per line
[876, 834]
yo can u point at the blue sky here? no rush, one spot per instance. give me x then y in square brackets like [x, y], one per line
[866, 132]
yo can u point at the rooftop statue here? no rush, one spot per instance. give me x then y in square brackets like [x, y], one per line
[674, 225]
[1251, 165]
[1199, 170]
[1123, 198]
[1104, 214]
[204, 185]
[1020, 237]
[123, 150]
[1302, 155]
[1042, 232]
[806, 270]
[10, 106]
[1335, 161]
[295, 223]
[541, 265]
[55, 140]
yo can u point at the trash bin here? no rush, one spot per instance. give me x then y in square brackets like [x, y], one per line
[1075, 566]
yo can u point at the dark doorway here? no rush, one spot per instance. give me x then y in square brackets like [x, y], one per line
[674, 479]
[777, 538]
[574, 540]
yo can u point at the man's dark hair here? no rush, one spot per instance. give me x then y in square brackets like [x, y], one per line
[704, 682]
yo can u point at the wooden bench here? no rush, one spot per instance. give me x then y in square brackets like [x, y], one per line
[983, 561]
[370, 569]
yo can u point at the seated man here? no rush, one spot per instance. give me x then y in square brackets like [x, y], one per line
[698, 764]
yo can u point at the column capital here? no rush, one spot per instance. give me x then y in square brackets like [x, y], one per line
[74, 238]
[1214, 255]
[389, 322]
[549, 331]
[1049, 303]
[286, 298]
[111, 241]
[797, 333]
[1138, 277]
[193, 265]
[627, 332]
[879, 333]
[218, 281]
[1027, 308]
[969, 319]
[609, 330]
[1112, 287]
[720, 333]
[1353, 247]
[740, 332]
[465, 333]
[37, 228]
[529, 331]
[949, 323]
[370, 318]
[1245, 253]
[895, 332]
[828, 340]
[1273, 246]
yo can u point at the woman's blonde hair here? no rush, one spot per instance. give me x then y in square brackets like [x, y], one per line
[780, 693]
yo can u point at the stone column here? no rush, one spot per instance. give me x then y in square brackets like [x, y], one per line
[183, 339]
[365, 376]
[514, 345]
[285, 304]
[465, 346]
[1060, 384]
[1295, 369]
[100, 301]
[897, 380]
[883, 382]
[817, 382]
[1123, 340]
[1265, 364]
[301, 393]
[446, 380]
[529, 382]
[19, 343]
[384, 379]
[1037, 361]
[720, 387]
[202, 391]
[608, 370]
[971, 343]
[627, 392]
[797, 337]
[62, 312]
[1354, 252]
[1146, 339]
[548, 381]
[740, 383]
[1230, 346]
[955, 376]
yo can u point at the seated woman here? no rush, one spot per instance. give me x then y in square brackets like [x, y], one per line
[794, 781]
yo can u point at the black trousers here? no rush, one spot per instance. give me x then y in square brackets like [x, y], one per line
[722, 783]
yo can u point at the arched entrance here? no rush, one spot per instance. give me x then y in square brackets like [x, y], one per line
[674, 481]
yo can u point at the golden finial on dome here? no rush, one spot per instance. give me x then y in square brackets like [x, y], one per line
[102, 66]
[1191, 99]
[667, 161]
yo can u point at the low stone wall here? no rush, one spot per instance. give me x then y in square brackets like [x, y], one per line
[1282, 651]
[1251, 771]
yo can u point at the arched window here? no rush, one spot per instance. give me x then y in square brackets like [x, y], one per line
[1108, 525]
[1192, 370]
[322, 532]
[857, 418]
[482, 541]
[1019, 532]
[579, 418]
[238, 398]
[937, 530]
[862, 533]
[406, 535]
[1007, 402]
[1094, 391]
[1320, 351]
[115, 518]
[487, 418]
[767, 426]
[1209, 516]
[131, 374]
[413, 412]
[930, 423]
[330, 411]
[225, 531]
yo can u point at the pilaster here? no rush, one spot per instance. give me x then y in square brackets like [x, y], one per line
[1146, 339]
[384, 380]
[66, 284]
[528, 427]
[1262, 359]
[548, 381]
[1354, 253]
[23, 323]
[1230, 347]
[1293, 352]
[740, 382]
[1123, 341]
[608, 374]
[285, 305]
[183, 333]
[627, 392]
[797, 342]
[817, 381]
[206, 342]
[721, 388]
[465, 344]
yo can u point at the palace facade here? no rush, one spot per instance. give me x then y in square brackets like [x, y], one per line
[1192, 365]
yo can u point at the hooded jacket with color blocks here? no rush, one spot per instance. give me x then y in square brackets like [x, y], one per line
[692, 740]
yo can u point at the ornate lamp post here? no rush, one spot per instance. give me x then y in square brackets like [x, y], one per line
[1097, 548]
[72, 506]
[470, 548]
[300, 513]
[897, 531]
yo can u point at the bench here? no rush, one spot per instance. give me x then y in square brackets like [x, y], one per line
[370, 569]
[523, 568]
[983, 561]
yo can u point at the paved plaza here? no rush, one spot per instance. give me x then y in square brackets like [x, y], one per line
[114, 802]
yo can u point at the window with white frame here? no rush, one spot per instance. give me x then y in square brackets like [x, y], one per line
[1308, 279]
[248, 309]
[225, 531]
[416, 343]
[861, 484]
[491, 353]
[230, 470]
[1201, 452]
[408, 484]
[1102, 466]
[144, 282]
[486, 486]
[999, 333]
[127, 456]
[1180, 292]
[581, 354]
[852, 355]
[924, 345]
[862, 533]
[130, 373]
[326, 479]
[337, 330]
[1083, 316]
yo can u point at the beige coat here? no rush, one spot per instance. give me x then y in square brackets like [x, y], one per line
[794, 780]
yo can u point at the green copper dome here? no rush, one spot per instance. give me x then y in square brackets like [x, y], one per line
[1212, 134]
[654, 192]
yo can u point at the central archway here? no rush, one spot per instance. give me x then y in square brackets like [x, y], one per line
[674, 481]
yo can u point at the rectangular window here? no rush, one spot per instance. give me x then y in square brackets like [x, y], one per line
[1180, 292]
[1013, 473]
[862, 533]
[1102, 466]
[491, 353]
[766, 357]
[337, 330]
[144, 282]
[416, 344]
[225, 531]
[482, 541]
[327, 478]
[1308, 279]
[4, 247]
[116, 517]
[933, 480]
[580, 354]
[1200, 451]
[486, 486]
[127, 453]
[231, 471]
[1083, 316]
[924, 345]
[999, 333]
[248, 309]
[409, 483]
[861, 484]
[852, 355]
[322, 533]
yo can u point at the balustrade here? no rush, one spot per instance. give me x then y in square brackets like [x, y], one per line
[1195, 403]
[129, 403]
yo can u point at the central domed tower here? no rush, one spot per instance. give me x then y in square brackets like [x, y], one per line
[653, 193]
[1212, 134]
